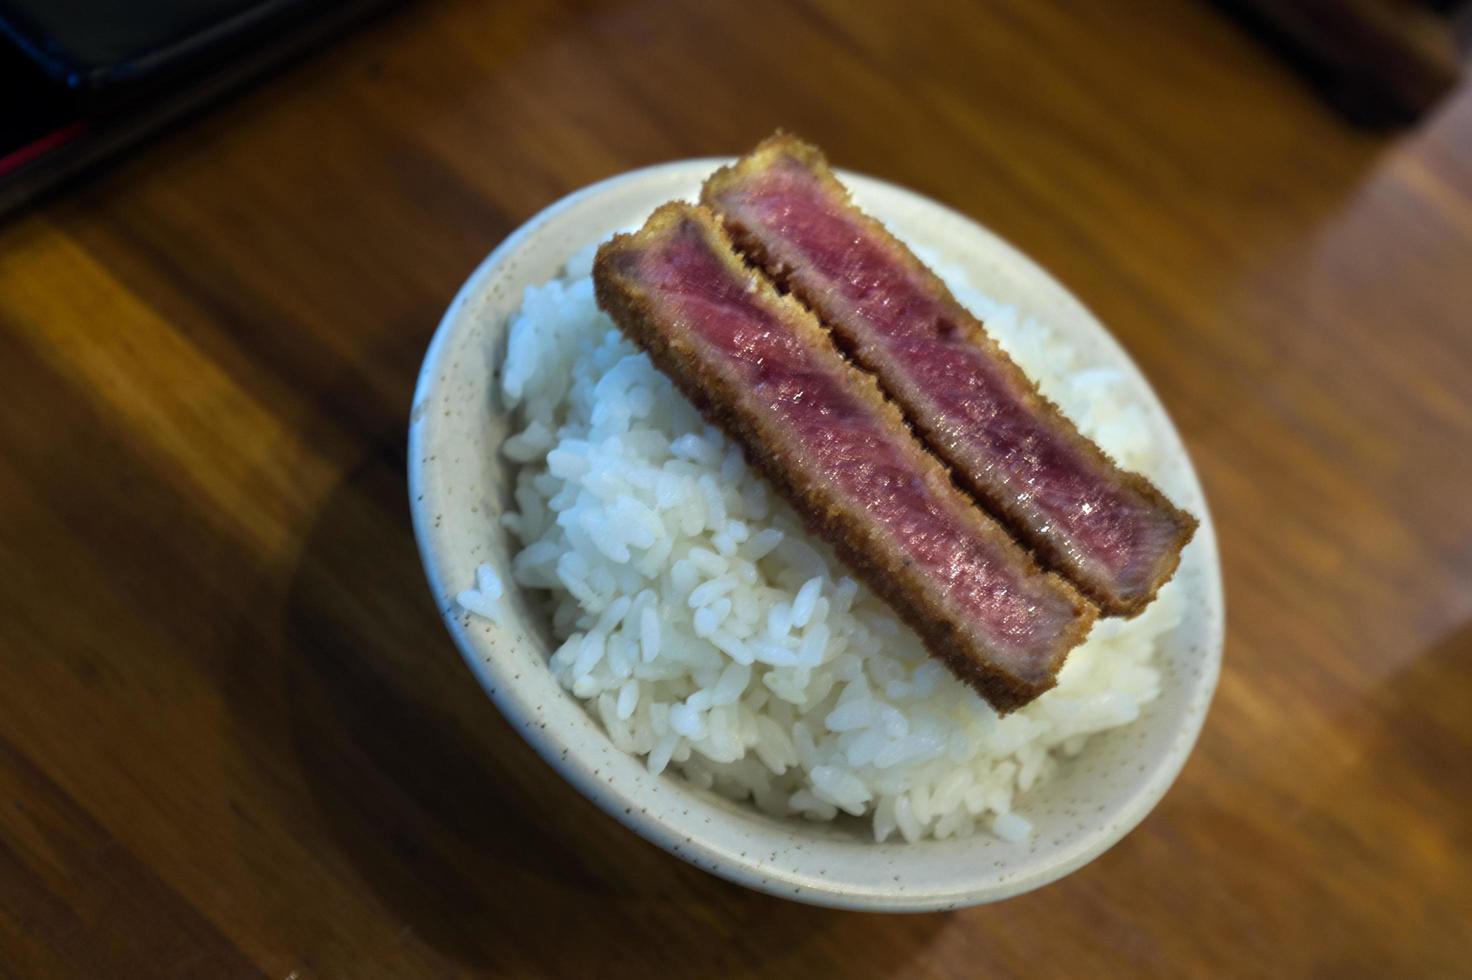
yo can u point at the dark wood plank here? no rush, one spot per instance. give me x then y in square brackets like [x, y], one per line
[73, 901]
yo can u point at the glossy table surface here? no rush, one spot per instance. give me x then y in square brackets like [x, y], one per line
[235, 739]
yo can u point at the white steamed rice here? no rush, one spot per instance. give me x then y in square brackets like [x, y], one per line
[711, 635]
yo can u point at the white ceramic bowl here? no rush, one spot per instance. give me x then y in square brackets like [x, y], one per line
[459, 486]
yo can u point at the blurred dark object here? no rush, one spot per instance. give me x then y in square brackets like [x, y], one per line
[1379, 62]
[97, 45]
[87, 78]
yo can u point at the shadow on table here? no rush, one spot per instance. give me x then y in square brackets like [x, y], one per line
[459, 829]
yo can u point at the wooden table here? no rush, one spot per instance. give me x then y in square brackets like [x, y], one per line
[236, 741]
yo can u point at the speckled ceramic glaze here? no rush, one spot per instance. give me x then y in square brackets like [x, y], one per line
[459, 485]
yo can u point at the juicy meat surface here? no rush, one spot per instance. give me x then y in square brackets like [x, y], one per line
[763, 369]
[1110, 531]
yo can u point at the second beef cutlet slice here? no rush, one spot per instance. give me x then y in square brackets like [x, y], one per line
[1110, 531]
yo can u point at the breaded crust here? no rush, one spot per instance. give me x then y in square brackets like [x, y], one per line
[863, 547]
[1004, 505]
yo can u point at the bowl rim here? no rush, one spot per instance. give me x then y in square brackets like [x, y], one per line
[750, 872]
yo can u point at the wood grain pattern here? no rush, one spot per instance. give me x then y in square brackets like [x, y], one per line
[235, 740]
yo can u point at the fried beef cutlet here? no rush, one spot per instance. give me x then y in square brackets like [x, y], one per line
[762, 368]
